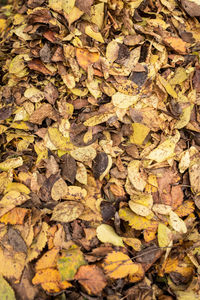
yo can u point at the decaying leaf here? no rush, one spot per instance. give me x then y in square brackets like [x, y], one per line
[69, 263]
[91, 278]
[67, 211]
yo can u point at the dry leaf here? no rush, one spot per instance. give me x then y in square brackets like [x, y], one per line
[91, 278]
[106, 234]
[119, 265]
[67, 211]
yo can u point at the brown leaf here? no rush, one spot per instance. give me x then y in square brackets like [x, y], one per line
[91, 278]
[51, 93]
[68, 168]
[5, 112]
[43, 112]
[84, 5]
[37, 65]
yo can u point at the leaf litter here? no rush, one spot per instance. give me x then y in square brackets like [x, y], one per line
[99, 161]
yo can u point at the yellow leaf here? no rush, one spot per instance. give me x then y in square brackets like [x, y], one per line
[6, 292]
[134, 243]
[169, 89]
[59, 189]
[93, 34]
[86, 58]
[3, 24]
[34, 94]
[97, 14]
[184, 117]
[140, 132]
[119, 265]
[139, 209]
[50, 280]
[11, 163]
[58, 140]
[177, 223]
[124, 101]
[135, 221]
[17, 66]
[12, 264]
[10, 200]
[106, 234]
[164, 235]
[98, 119]
[39, 243]
[20, 187]
[179, 76]
[67, 211]
[93, 87]
[165, 150]
[81, 174]
[82, 154]
[161, 209]
[48, 260]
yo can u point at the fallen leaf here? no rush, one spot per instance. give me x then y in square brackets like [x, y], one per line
[67, 211]
[11, 163]
[177, 223]
[86, 58]
[59, 189]
[11, 200]
[6, 292]
[69, 263]
[119, 265]
[91, 278]
[164, 235]
[106, 234]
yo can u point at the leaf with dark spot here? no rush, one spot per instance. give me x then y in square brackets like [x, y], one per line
[16, 241]
[100, 164]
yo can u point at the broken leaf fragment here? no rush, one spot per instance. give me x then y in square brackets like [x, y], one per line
[67, 211]
[135, 176]
[106, 234]
[140, 132]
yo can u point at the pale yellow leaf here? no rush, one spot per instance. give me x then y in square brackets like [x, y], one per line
[106, 234]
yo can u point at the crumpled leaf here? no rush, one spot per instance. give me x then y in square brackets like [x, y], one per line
[135, 176]
[164, 150]
[106, 234]
[67, 211]
[86, 58]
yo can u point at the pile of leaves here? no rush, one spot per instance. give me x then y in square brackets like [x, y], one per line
[100, 139]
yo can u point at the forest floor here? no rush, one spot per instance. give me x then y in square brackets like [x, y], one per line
[99, 150]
